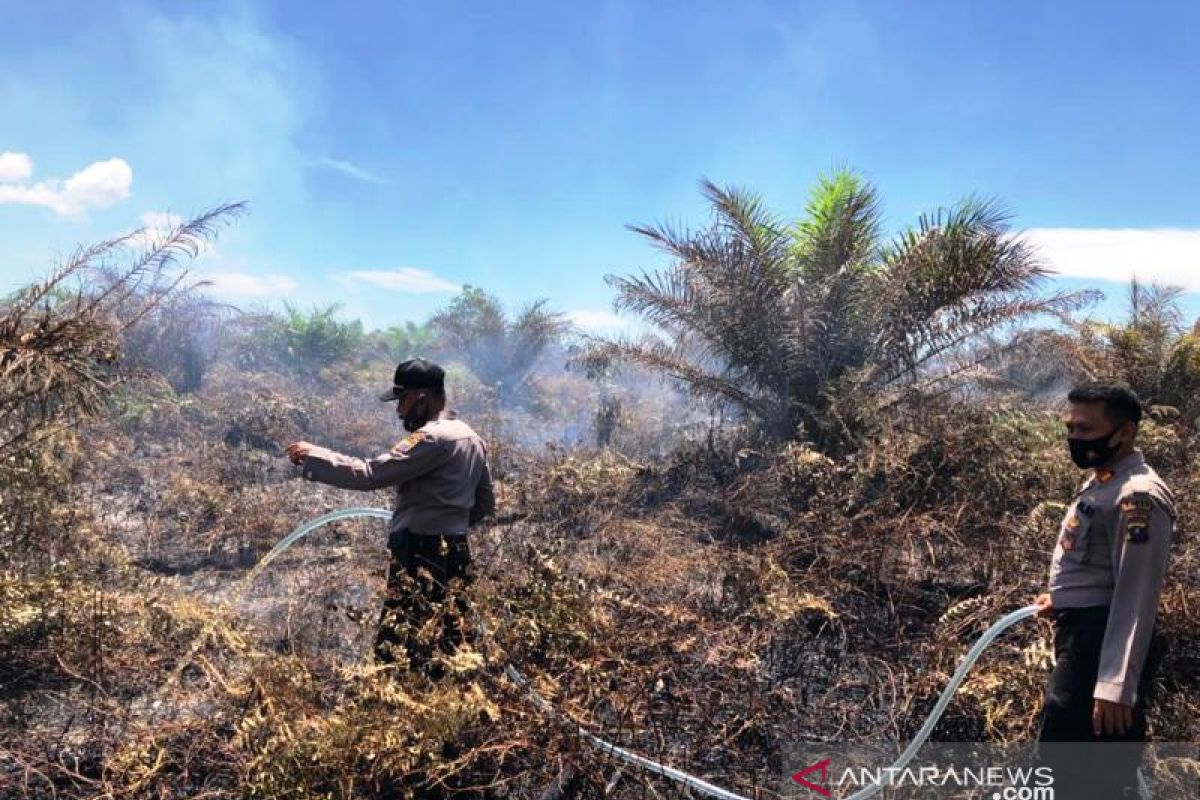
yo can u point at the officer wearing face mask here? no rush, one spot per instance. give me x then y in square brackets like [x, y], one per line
[443, 486]
[1105, 579]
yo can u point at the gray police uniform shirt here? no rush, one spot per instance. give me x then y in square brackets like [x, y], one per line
[440, 471]
[1112, 551]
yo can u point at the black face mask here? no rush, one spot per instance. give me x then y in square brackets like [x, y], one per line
[417, 416]
[1091, 453]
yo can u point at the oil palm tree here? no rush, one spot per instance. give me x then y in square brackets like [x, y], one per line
[500, 351]
[315, 339]
[811, 327]
[1152, 349]
[400, 342]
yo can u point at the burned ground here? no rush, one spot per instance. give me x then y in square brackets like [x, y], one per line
[708, 610]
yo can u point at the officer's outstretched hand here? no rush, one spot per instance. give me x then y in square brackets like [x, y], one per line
[1111, 718]
[1044, 604]
[298, 451]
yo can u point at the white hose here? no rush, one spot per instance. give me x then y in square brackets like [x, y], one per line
[620, 753]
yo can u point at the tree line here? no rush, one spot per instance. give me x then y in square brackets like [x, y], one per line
[811, 329]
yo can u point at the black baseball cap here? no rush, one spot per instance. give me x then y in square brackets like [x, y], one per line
[416, 373]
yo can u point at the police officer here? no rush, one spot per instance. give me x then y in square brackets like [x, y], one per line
[1105, 578]
[443, 486]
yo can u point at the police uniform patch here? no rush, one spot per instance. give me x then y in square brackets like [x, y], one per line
[410, 441]
[1137, 517]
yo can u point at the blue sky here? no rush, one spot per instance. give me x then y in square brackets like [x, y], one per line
[391, 152]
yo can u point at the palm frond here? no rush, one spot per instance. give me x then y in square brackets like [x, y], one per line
[841, 226]
[743, 218]
[60, 347]
[669, 360]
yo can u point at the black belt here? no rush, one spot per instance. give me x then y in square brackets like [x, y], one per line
[1082, 615]
[399, 538]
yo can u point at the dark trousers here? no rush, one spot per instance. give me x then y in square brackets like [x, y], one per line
[425, 608]
[1086, 765]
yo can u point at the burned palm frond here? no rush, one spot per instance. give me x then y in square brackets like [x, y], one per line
[665, 358]
[61, 339]
[1031, 363]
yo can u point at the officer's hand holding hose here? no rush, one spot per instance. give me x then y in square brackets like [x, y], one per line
[298, 451]
[1111, 718]
[1107, 717]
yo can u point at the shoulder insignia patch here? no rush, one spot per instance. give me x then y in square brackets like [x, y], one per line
[1137, 509]
[1138, 505]
[410, 441]
[1137, 533]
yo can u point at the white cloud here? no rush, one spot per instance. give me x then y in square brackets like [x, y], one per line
[155, 226]
[351, 170]
[222, 98]
[160, 220]
[594, 321]
[244, 284]
[98, 185]
[1166, 255]
[406, 279]
[15, 167]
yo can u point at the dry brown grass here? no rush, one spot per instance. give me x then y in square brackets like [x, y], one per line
[710, 610]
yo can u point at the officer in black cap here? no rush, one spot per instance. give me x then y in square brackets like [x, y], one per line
[443, 486]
